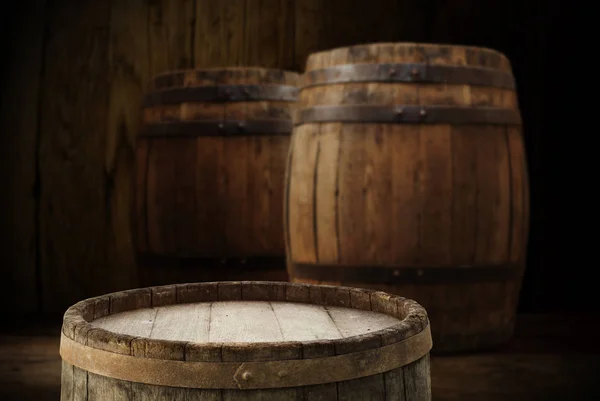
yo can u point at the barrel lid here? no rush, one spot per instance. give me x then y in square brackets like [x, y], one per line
[172, 335]
[245, 322]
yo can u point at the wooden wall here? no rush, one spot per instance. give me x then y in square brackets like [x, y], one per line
[72, 92]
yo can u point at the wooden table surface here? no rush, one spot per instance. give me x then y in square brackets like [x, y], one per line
[551, 358]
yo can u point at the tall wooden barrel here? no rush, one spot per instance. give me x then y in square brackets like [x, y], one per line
[246, 341]
[210, 175]
[407, 174]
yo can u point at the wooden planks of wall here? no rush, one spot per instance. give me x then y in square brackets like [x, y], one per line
[98, 58]
[18, 143]
[87, 168]
[75, 187]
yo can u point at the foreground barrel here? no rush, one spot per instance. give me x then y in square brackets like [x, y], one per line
[210, 174]
[407, 174]
[246, 341]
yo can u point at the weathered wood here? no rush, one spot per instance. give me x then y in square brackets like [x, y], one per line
[309, 30]
[411, 194]
[213, 200]
[128, 56]
[269, 33]
[219, 35]
[318, 26]
[86, 139]
[67, 384]
[74, 186]
[322, 25]
[245, 321]
[19, 142]
[170, 36]
[244, 33]
[260, 330]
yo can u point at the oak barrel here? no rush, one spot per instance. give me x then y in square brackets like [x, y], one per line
[407, 174]
[210, 160]
[246, 341]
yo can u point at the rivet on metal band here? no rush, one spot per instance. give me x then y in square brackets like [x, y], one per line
[408, 114]
[222, 93]
[405, 274]
[217, 128]
[410, 72]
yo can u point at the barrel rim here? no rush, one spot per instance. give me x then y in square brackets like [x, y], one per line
[387, 72]
[77, 318]
[439, 44]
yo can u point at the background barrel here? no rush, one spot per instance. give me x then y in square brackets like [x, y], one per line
[210, 172]
[407, 174]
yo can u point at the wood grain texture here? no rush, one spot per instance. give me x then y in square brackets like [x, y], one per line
[75, 187]
[219, 34]
[19, 140]
[242, 322]
[257, 33]
[87, 138]
[129, 75]
[322, 25]
[413, 194]
[400, 385]
[269, 33]
[183, 34]
[237, 321]
[171, 27]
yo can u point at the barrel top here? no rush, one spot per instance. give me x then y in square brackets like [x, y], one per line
[245, 322]
[199, 321]
[405, 52]
[231, 75]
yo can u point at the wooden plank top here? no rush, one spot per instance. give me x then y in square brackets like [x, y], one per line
[245, 321]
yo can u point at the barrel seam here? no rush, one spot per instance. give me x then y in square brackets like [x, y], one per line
[510, 191]
[315, 220]
[146, 195]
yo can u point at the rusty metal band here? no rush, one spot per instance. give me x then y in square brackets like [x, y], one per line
[217, 128]
[421, 73]
[408, 114]
[246, 375]
[222, 93]
[406, 274]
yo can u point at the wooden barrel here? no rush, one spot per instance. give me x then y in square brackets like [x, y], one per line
[246, 341]
[210, 174]
[407, 174]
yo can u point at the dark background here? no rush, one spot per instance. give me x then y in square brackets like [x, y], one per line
[74, 71]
